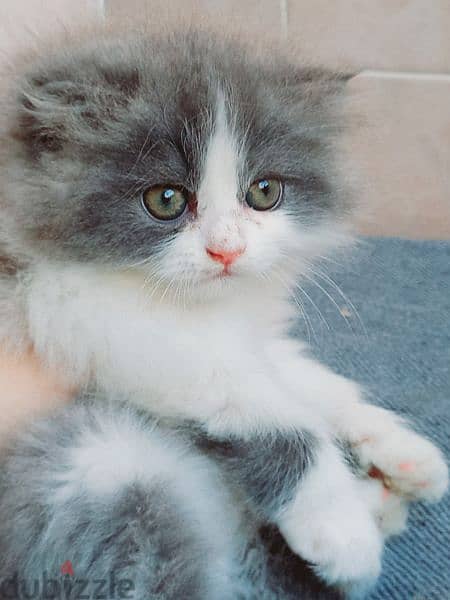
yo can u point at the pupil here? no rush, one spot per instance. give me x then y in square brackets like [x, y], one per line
[167, 196]
[264, 186]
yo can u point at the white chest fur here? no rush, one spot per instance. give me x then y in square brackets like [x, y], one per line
[176, 360]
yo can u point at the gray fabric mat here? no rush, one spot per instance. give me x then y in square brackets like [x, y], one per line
[401, 353]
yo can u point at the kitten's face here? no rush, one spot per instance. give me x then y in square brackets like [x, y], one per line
[181, 159]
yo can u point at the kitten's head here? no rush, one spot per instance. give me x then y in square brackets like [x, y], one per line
[181, 157]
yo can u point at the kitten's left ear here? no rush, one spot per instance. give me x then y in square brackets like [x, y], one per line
[322, 78]
[318, 88]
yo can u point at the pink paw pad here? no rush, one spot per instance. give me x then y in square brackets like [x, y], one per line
[407, 467]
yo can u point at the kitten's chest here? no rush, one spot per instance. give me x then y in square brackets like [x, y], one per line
[178, 364]
[156, 352]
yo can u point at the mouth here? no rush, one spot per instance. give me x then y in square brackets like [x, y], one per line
[220, 276]
[225, 274]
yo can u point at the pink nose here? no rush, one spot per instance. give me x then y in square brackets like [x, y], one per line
[226, 257]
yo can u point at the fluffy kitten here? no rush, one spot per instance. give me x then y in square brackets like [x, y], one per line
[160, 197]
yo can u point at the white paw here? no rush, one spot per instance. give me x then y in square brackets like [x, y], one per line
[344, 547]
[389, 510]
[409, 464]
[392, 515]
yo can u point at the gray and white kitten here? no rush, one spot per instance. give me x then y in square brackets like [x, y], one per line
[160, 197]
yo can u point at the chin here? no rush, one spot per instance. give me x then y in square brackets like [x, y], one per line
[218, 286]
[215, 287]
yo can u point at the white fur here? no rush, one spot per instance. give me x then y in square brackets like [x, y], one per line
[218, 190]
[329, 525]
[378, 436]
[176, 336]
[201, 362]
[115, 455]
[389, 509]
[121, 452]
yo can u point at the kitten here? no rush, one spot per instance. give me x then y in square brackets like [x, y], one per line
[160, 197]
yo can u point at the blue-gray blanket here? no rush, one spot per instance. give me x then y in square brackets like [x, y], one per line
[401, 290]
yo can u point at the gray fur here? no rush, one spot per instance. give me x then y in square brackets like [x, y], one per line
[90, 128]
[142, 533]
[268, 467]
[94, 126]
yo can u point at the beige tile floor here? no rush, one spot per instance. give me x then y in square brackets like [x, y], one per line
[402, 154]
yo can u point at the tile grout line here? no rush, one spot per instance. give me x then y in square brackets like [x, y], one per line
[406, 75]
[284, 18]
[101, 4]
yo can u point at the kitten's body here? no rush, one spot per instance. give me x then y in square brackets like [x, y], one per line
[140, 309]
[145, 501]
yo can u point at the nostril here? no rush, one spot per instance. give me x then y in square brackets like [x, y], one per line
[226, 257]
[214, 255]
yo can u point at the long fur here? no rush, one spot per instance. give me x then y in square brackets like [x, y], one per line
[136, 310]
[119, 495]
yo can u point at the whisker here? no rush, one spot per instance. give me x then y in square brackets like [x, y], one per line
[325, 277]
[319, 312]
[186, 283]
[155, 285]
[317, 272]
[330, 297]
[140, 263]
[141, 151]
[300, 306]
[168, 288]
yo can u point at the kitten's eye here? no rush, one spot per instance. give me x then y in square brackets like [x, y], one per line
[165, 202]
[264, 194]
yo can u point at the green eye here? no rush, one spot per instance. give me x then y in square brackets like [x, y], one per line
[264, 194]
[165, 202]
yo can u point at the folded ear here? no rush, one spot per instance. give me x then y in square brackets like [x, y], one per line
[320, 81]
[44, 112]
[65, 105]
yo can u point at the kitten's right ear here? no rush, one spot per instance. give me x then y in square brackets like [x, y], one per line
[45, 109]
[71, 103]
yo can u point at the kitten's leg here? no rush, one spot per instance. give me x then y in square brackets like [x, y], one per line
[411, 465]
[303, 485]
[330, 525]
[101, 492]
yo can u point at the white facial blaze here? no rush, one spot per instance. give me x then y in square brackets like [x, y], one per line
[218, 203]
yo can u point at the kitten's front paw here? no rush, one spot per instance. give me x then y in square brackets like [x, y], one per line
[408, 463]
[343, 546]
[389, 510]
